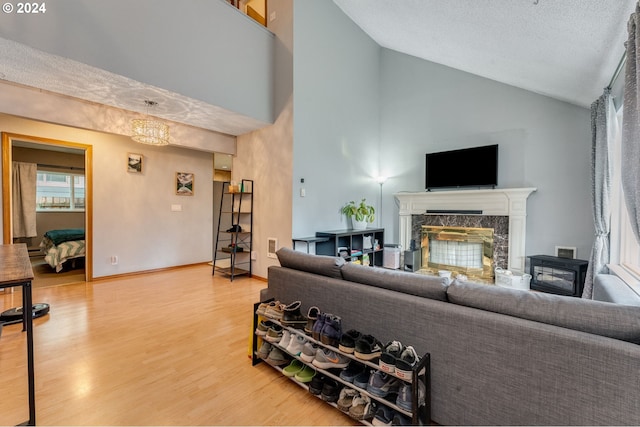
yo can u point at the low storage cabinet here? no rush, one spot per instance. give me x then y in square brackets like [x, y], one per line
[420, 381]
[359, 246]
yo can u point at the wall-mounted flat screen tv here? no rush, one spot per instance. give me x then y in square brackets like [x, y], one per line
[469, 167]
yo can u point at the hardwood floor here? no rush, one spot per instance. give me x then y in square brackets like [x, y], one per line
[168, 348]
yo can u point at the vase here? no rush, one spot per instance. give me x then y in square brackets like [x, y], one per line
[358, 225]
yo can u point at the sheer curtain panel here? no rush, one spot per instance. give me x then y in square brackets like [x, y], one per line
[23, 192]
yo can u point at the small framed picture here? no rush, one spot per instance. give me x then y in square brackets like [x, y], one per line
[184, 183]
[134, 163]
[566, 252]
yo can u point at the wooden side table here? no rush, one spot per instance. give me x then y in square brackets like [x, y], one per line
[16, 271]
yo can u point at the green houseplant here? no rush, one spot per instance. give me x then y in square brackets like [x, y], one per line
[360, 213]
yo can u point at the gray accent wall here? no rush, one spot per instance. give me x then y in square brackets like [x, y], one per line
[361, 110]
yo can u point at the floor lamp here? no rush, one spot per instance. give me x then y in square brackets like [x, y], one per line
[381, 180]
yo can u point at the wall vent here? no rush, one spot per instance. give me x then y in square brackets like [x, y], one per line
[272, 247]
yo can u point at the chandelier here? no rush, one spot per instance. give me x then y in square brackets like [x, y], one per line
[149, 131]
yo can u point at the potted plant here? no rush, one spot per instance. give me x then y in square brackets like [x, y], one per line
[361, 214]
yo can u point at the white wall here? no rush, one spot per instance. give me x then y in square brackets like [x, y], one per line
[132, 215]
[203, 49]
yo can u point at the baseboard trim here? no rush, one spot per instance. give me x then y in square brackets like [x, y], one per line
[159, 270]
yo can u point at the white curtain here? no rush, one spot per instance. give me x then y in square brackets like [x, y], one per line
[603, 131]
[630, 172]
[24, 199]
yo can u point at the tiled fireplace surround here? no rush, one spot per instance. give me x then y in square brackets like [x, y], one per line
[504, 210]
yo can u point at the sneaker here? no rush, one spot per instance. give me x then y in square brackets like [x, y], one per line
[317, 326]
[306, 375]
[406, 362]
[276, 357]
[308, 352]
[316, 384]
[404, 399]
[263, 327]
[346, 398]
[330, 390]
[293, 368]
[292, 317]
[401, 420]
[262, 308]
[367, 348]
[312, 316]
[384, 416]
[296, 345]
[362, 379]
[286, 339]
[362, 408]
[348, 341]
[274, 310]
[390, 353]
[274, 334]
[328, 359]
[352, 371]
[331, 331]
[381, 384]
[263, 351]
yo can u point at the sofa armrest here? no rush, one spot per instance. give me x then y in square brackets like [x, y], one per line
[610, 288]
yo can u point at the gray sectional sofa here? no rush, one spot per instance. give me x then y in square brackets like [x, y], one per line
[498, 356]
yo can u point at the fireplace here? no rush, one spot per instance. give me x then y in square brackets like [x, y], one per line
[503, 210]
[465, 250]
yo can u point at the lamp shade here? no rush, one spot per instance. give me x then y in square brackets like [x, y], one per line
[151, 132]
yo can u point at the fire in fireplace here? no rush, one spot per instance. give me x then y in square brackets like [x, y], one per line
[466, 250]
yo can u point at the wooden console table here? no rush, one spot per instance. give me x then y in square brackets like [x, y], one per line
[15, 270]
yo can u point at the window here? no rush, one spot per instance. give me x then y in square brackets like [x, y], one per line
[59, 191]
[625, 250]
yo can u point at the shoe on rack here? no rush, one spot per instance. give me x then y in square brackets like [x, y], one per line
[328, 359]
[261, 308]
[306, 375]
[406, 363]
[308, 352]
[331, 331]
[318, 325]
[401, 420]
[382, 384]
[352, 371]
[362, 408]
[348, 341]
[263, 327]
[274, 334]
[293, 368]
[316, 384]
[286, 339]
[384, 416]
[274, 310]
[296, 344]
[276, 357]
[235, 229]
[368, 348]
[263, 351]
[345, 399]
[292, 317]
[362, 379]
[404, 399]
[330, 390]
[390, 353]
[312, 316]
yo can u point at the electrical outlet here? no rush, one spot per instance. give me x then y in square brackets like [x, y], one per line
[254, 255]
[114, 260]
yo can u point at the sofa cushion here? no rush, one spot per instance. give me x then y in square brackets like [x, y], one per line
[595, 317]
[420, 285]
[318, 264]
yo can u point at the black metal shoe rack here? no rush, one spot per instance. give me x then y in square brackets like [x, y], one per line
[421, 372]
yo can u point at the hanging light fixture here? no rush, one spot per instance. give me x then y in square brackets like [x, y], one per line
[149, 131]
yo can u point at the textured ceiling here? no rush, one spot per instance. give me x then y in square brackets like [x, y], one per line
[565, 49]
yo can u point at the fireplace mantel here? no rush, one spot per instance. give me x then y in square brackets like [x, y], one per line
[511, 202]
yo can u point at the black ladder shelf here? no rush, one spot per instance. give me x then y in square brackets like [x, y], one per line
[233, 246]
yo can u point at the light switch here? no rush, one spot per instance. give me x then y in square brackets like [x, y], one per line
[176, 208]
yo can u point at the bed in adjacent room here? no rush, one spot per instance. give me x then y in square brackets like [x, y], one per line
[60, 246]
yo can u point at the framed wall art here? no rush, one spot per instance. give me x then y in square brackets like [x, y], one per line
[566, 252]
[184, 183]
[134, 163]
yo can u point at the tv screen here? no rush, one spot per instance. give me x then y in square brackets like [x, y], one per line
[469, 167]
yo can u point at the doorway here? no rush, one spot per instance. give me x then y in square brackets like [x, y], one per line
[56, 159]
